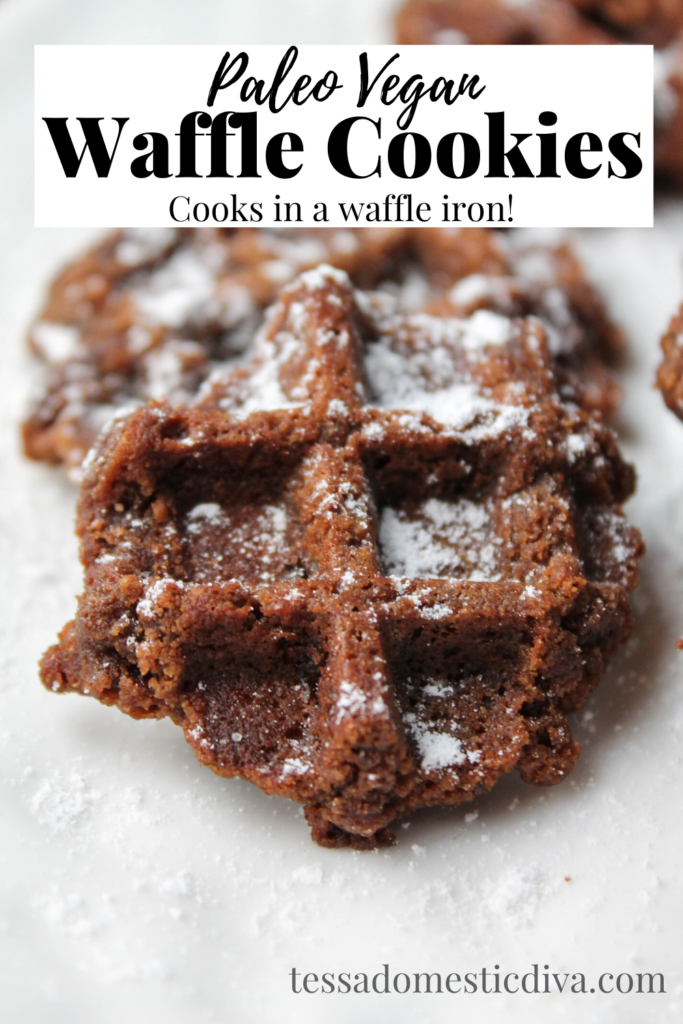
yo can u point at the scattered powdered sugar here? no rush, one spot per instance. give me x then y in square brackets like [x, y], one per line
[460, 405]
[62, 801]
[237, 304]
[355, 505]
[438, 749]
[55, 342]
[535, 266]
[424, 379]
[308, 874]
[345, 241]
[443, 538]
[165, 367]
[430, 334]
[485, 328]
[295, 251]
[351, 700]
[433, 611]
[576, 445]
[223, 546]
[140, 245]
[435, 688]
[615, 526]
[106, 417]
[412, 294]
[277, 271]
[147, 605]
[68, 914]
[536, 275]
[295, 766]
[263, 390]
[138, 339]
[514, 897]
[206, 512]
[176, 290]
[332, 500]
[265, 537]
[557, 307]
[321, 276]
[374, 431]
[292, 255]
[337, 408]
[469, 289]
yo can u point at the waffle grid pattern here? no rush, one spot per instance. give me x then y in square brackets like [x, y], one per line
[237, 558]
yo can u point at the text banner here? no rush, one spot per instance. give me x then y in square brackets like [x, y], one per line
[524, 136]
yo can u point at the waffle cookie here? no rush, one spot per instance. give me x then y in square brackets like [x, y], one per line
[370, 570]
[148, 314]
[549, 283]
[153, 314]
[670, 372]
[491, 22]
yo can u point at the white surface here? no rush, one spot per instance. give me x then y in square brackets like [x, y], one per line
[136, 886]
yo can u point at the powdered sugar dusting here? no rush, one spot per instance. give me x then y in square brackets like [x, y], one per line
[175, 290]
[414, 366]
[470, 288]
[62, 801]
[350, 699]
[321, 276]
[295, 766]
[435, 688]
[438, 750]
[147, 606]
[515, 895]
[485, 328]
[140, 245]
[264, 391]
[618, 551]
[165, 369]
[576, 445]
[55, 342]
[206, 512]
[223, 545]
[440, 539]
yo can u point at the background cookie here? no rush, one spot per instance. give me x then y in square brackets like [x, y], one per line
[565, 22]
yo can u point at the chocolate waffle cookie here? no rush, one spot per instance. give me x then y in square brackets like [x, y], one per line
[153, 314]
[549, 283]
[148, 314]
[670, 372]
[502, 22]
[371, 570]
